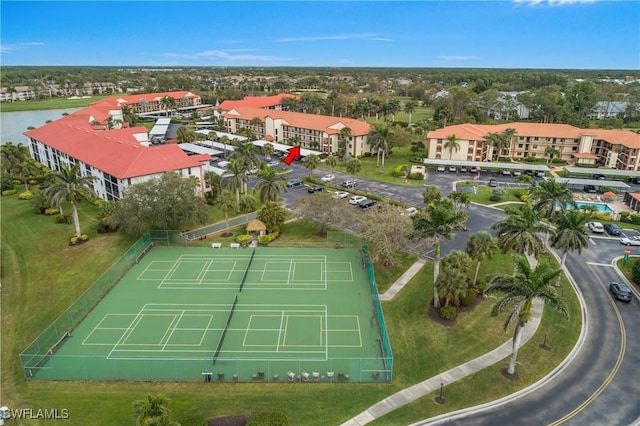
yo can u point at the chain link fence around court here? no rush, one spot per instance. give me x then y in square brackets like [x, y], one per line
[47, 343]
[42, 349]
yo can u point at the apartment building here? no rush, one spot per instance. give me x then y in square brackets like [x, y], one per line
[596, 147]
[316, 132]
[116, 157]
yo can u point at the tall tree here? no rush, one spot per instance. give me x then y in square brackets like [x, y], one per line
[353, 165]
[517, 293]
[311, 162]
[436, 222]
[451, 144]
[69, 185]
[343, 139]
[571, 233]
[520, 230]
[270, 184]
[549, 196]
[214, 182]
[410, 108]
[385, 231]
[236, 178]
[378, 139]
[431, 194]
[451, 285]
[227, 203]
[479, 246]
[460, 199]
[273, 216]
[323, 211]
[551, 151]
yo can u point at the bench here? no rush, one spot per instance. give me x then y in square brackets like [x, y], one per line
[234, 245]
[216, 245]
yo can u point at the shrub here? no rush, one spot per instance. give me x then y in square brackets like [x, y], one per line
[469, 297]
[495, 198]
[635, 218]
[558, 160]
[519, 193]
[601, 216]
[78, 240]
[416, 176]
[26, 195]
[498, 191]
[635, 272]
[625, 216]
[399, 171]
[480, 286]
[268, 418]
[448, 313]
[244, 239]
[524, 198]
[267, 238]
[9, 192]
[51, 211]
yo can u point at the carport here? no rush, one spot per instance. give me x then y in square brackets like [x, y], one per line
[614, 173]
[577, 183]
[486, 165]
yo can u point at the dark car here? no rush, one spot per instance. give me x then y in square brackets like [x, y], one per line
[315, 188]
[612, 229]
[294, 182]
[620, 291]
[366, 203]
[591, 189]
[599, 177]
[493, 183]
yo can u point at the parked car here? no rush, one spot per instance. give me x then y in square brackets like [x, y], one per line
[294, 182]
[599, 177]
[539, 173]
[634, 241]
[463, 169]
[493, 183]
[528, 172]
[452, 169]
[595, 227]
[620, 291]
[348, 184]
[366, 203]
[267, 158]
[355, 199]
[516, 172]
[341, 194]
[590, 189]
[273, 164]
[612, 229]
[440, 168]
[473, 169]
[506, 172]
[253, 171]
[327, 178]
[315, 188]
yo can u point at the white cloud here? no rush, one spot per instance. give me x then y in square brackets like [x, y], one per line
[459, 58]
[327, 37]
[229, 55]
[380, 39]
[6, 48]
[552, 2]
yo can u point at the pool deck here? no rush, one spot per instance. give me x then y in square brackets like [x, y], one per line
[616, 204]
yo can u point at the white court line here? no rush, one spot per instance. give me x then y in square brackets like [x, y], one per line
[127, 330]
[171, 334]
[280, 331]
[600, 264]
[289, 275]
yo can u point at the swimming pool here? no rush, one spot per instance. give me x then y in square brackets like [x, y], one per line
[600, 207]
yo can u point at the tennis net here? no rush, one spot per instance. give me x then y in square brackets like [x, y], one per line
[246, 271]
[224, 330]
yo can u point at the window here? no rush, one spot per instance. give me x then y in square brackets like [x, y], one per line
[520, 145]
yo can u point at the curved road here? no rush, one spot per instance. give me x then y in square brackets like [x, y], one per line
[601, 386]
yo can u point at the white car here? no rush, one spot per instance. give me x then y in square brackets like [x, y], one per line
[595, 227]
[440, 168]
[341, 194]
[273, 164]
[634, 241]
[356, 199]
[506, 172]
[327, 178]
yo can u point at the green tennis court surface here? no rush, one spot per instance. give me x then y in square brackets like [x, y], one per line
[193, 313]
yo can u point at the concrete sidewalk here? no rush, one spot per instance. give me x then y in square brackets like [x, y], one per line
[432, 384]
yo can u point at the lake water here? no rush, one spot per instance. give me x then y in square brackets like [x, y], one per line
[13, 124]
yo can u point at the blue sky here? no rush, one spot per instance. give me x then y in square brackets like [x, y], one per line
[557, 34]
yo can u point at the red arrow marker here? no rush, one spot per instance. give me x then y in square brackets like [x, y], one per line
[294, 152]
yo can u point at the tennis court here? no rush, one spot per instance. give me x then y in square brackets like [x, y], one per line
[196, 313]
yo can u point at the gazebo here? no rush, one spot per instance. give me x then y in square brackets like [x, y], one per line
[256, 226]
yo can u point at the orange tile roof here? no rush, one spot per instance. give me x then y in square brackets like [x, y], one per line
[635, 196]
[624, 137]
[255, 102]
[115, 152]
[151, 97]
[325, 123]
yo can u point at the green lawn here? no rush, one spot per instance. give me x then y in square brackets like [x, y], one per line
[55, 103]
[36, 289]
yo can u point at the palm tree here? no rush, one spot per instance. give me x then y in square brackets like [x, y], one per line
[185, 134]
[451, 144]
[498, 142]
[379, 141]
[152, 410]
[69, 185]
[331, 160]
[518, 291]
[550, 195]
[311, 162]
[551, 151]
[214, 181]
[452, 286]
[23, 171]
[293, 140]
[479, 246]
[431, 194]
[571, 234]
[439, 220]
[245, 153]
[460, 199]
[410, 108]
[343, 137]
[456, 259]
[519, 231]
[268, 149]
[167, 102]
[227, 203]
[353, 165]
[236, 178]
[270, 184]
